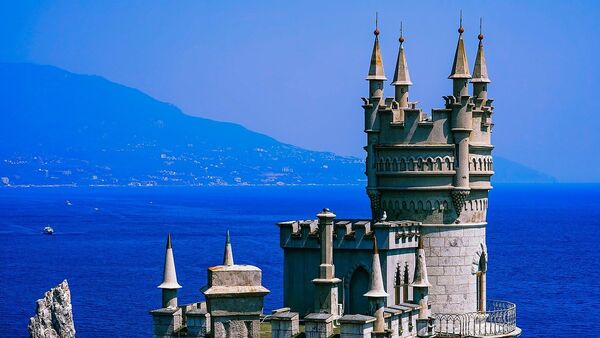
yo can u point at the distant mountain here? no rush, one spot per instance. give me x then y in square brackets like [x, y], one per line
[62, 128]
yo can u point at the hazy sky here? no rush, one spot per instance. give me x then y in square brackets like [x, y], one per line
[295, 70]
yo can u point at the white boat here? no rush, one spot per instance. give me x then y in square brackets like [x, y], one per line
[68, 203]
[48, 230]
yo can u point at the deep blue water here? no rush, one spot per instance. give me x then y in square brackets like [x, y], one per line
[543, 249]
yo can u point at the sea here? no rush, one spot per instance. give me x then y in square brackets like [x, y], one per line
[543, 243]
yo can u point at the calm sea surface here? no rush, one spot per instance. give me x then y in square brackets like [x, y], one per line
[543, 244]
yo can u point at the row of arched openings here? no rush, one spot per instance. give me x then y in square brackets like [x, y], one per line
[415, 164]
[476, 205]
[481, 164]
[425, 206]
[418, 206]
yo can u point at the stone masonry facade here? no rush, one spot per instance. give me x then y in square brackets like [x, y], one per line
[451, 252]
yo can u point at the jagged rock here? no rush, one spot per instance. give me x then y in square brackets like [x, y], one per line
[54, 314]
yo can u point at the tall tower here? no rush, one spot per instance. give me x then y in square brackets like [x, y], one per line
[428, 183]
[435, 170]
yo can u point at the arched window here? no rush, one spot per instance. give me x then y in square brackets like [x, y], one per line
[448, 163]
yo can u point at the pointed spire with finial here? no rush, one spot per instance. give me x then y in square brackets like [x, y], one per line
[169, 274]
[480, 73]
[401, 74]
[228, 254]
[376, 286]
[460, 67]
[376, 71]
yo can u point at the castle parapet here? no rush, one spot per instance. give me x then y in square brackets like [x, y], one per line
[352, 234]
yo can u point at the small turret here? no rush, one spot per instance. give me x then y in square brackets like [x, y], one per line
[461, 122]
[376, 74]
[372, 122]
[228, 254]
[377, 294]
[460, 68]
[169, 284]
[401, 80]
[480, 74]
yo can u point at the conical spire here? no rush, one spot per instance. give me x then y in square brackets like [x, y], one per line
[420, 278]
[228, 254]
[376, 68]
[401, 74]
[460, 67]
[169, 274]
[480, 73]
[377, 290]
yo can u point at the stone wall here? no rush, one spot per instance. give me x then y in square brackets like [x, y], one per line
[451, 252]
[302, 265]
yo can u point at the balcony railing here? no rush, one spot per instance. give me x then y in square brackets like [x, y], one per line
[500, 318]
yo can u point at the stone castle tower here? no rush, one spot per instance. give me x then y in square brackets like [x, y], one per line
[428, 177]
[435, 170]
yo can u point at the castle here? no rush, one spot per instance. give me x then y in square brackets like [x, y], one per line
[416, 268]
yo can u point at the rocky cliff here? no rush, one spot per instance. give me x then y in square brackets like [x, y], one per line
[53, 315]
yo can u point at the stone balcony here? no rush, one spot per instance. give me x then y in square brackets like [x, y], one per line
[499, 320]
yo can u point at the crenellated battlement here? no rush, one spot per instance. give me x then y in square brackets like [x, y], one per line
[413, 157]
[352, 234]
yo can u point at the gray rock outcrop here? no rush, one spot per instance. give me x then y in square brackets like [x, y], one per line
[53, 315]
